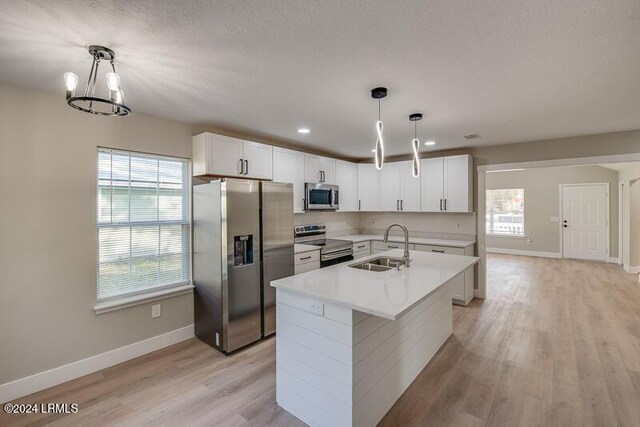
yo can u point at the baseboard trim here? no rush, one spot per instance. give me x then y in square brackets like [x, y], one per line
[633, 269]
[614, 260]
[42, 380]
[524, 253]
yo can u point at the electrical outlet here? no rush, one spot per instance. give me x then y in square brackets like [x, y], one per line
[155, 311]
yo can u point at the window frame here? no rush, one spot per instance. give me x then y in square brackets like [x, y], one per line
[128, 299]
[492, 232]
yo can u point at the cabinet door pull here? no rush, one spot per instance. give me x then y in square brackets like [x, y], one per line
[361, 246]
[324, 178]
[359, 204]
[246, 169]
[241, 167]
[445, 204]
[437, 250]
[397, 205]
[305, 257]
[401, 205]
[392, 247]
[440, 204]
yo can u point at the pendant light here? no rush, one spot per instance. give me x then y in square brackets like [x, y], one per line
[378, 157]
[415, 144]
[113, 105]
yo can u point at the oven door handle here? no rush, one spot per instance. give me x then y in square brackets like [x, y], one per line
[334, 255]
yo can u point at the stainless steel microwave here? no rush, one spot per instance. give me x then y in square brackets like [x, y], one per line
[321, 196]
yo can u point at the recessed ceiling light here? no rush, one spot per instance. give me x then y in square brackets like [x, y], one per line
[430, 143]
[303, 130]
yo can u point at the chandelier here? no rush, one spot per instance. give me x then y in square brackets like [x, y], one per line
[113, 105]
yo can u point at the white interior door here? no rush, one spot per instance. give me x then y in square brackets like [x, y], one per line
[585, 222]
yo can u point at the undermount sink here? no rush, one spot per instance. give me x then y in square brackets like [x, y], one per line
[379, 264]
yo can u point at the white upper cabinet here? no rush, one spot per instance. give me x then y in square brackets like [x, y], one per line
[447, 184]
[432, 177]
[257, 160]
[390, 187]
[347, 181]
[226, 156]
[368, 187]
[288, 166]
[319, 169]
[328, 168]
[409, 189]
[458, 187]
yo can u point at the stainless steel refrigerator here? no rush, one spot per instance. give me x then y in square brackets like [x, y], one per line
[242, 240]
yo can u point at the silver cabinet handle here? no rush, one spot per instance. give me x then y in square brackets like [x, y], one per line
[359, 205]
[401, 205]
[436, 250]
[323, 177]
[246, 162]
[306, 257]
[361, 246]
[440, 204]
[445, 204]
[241, 167]
[397, 205]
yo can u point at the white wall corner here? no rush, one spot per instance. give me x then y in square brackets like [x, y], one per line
[524, 253]
[42, 380]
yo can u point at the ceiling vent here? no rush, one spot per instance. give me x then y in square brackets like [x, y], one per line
[472, 136]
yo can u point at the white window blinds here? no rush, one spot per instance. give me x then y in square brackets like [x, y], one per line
[505, 212]
[143, 223]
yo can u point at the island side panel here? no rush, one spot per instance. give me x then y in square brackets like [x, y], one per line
[389, 355]
[314, 375]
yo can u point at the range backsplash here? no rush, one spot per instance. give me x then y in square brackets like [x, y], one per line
[419, 224]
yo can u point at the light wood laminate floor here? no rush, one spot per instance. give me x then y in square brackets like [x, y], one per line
[557, 342]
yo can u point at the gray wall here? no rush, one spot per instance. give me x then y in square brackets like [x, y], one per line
[542, 201]
[48, 232]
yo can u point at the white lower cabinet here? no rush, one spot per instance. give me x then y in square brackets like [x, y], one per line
[463, 284]
[306, 261]
[377, 247]
[361, 249]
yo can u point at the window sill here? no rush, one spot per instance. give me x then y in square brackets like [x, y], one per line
[506, 236]
[132, 301]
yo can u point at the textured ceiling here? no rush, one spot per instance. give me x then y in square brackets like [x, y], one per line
[509, 70]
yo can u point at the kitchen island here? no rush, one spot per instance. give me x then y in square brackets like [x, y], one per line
[350, 341]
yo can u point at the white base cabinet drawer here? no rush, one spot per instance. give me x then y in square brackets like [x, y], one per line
[377, 247]
[306, 257]
[306, 261]
[361, 247]
[440, 249]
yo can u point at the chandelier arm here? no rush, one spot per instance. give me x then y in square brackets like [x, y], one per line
[86, 89]
[95, 77]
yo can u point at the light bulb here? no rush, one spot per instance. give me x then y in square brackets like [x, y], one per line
[113, 81]
[415, 166]
[304, 130]
[70, 81]
[118, 96]
[379, 153]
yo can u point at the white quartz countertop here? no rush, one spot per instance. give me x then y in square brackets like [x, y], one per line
[300, 248]
[387, 294]
[355, 238]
